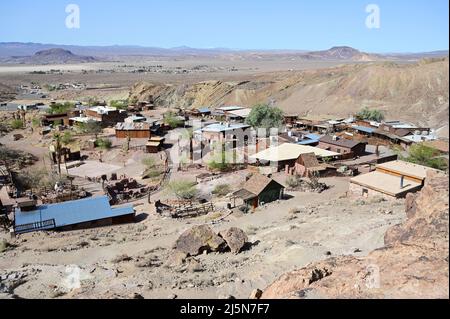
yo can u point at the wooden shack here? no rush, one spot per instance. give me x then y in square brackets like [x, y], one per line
[133, 130]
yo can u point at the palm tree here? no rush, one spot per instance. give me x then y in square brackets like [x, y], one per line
[57, 139]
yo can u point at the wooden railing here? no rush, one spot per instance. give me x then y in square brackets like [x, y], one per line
[25, 228]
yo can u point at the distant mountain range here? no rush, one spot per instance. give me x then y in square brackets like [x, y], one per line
[17, 52]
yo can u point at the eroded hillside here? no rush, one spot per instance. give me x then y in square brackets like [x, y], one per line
[416, 92]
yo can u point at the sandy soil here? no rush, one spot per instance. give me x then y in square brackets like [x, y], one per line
[281, 240]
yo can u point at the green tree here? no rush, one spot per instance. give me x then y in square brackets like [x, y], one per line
[119, 104]
[59, 108]
[425, 155]
[265, 116]
[183, 189]
[370, 115]
[91, 127]
[103, 143]
[57, 144]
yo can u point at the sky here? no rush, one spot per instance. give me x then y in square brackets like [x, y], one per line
[404, 25]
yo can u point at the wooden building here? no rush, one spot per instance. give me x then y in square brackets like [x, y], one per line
[308, 165]
[133, 130]
[347, 148]
[108, 116]
[154, 145]
[259, 190]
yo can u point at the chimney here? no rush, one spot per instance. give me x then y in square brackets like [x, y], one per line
[402, 182]
[335, 138]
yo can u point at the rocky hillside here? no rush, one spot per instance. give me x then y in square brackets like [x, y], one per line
[413, 263]
[6, 93]
[416, 92]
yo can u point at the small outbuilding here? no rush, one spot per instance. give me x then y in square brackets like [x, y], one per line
[392, 179]
[259, 190]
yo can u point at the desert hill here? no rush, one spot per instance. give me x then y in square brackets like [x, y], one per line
[417, 92]
[342, 53]
[51, 56]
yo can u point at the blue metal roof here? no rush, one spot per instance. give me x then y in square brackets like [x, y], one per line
[313, 136]
[72, 212]
[363, 129]
[308, 142]
[203, 110]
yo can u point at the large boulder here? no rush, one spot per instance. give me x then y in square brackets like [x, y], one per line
[198, 239]
[235, 239]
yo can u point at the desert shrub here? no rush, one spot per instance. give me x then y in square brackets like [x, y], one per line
[149, 162]
[221, 190]
[4, 246]
[219, 162]
[295, 210]
[67, 138]
[183, 189]
[17, 124]
[38, 179]
[171, 119]
[35, 122]
[293, 182]
[218, 165]
[103, 143]
[152, 169]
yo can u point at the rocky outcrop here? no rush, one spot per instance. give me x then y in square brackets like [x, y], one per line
[413, 263]
[235, 239]
[198, 239]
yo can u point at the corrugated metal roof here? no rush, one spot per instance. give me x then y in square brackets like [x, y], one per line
[342, 142]
[230, 108]
[363, 129]
[224, 127]
[73, 212]
[132, 126]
